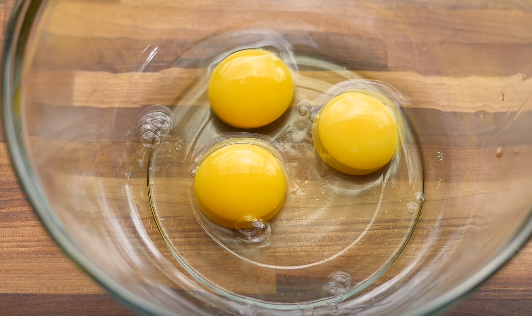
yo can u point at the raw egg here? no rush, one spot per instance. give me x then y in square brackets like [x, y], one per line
[355, 133]
[240, 183]
[250, 88]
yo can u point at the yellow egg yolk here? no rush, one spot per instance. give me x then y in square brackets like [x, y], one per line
[238, 184]
[355, 133]
[250, 88]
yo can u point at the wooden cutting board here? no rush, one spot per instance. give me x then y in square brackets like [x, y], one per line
[36, 278]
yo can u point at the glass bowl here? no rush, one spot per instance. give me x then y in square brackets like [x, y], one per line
[107, 116]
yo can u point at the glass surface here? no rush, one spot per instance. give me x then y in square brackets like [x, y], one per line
[107, 117]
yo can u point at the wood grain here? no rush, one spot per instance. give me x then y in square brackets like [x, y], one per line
[130, 90]
[430, 49]
[61, 304]
[38, 279]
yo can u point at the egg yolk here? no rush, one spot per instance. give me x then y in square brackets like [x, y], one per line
[238, 184]
[250, 88]
[355, 133]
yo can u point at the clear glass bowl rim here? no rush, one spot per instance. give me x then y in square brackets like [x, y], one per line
[25, 13]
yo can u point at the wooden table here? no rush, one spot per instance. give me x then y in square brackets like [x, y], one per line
[36, 278]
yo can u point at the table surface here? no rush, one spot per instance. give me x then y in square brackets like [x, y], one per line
[38, 279]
